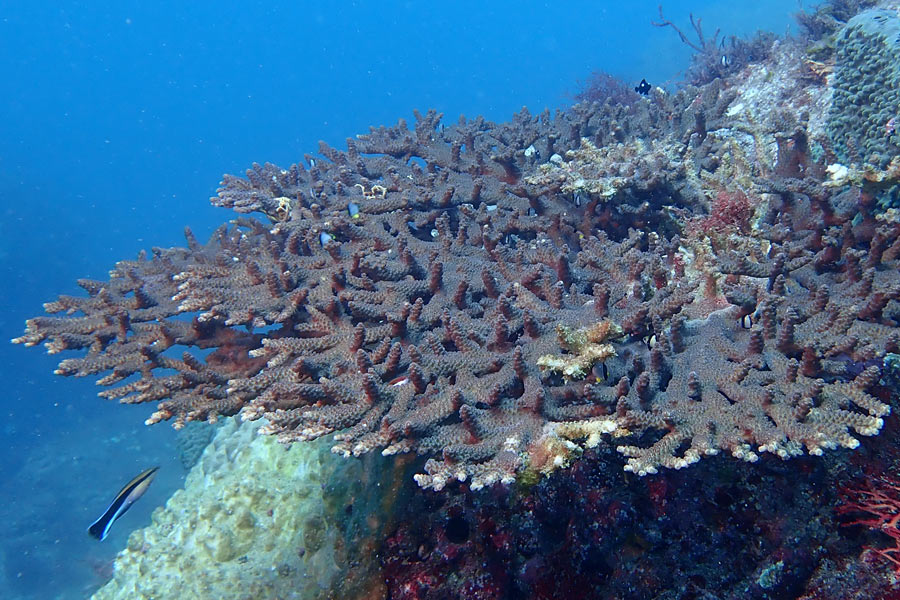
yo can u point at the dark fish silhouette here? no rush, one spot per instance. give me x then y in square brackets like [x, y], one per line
[127, 496]
[725, 61]
[643, 87]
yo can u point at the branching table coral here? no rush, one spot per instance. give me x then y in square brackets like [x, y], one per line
[425, 291]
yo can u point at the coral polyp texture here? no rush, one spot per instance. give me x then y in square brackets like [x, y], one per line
[867, 88]
[454, 293]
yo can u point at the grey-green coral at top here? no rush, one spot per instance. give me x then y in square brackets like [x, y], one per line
[864, 124]
[258, 520]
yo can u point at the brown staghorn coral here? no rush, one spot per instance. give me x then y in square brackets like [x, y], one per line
[406, 292]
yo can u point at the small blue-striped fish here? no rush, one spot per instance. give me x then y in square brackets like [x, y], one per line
[127, 496]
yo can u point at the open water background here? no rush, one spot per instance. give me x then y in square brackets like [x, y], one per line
[117, 120]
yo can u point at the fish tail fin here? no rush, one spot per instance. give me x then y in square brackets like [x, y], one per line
[98, 529]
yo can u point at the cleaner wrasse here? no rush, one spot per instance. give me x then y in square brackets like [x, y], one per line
[127, 496]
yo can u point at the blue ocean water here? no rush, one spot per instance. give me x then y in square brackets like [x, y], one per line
[118, 120]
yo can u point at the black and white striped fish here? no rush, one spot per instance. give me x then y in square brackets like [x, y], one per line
[127, 496]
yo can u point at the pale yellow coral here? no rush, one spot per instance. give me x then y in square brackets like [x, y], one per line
[867, 177]
[376, 191]
[587, 346]
[283, 210]
[557, 447]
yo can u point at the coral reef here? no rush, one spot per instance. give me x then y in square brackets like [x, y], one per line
[681, 276]
[405, 294]
[256, 521]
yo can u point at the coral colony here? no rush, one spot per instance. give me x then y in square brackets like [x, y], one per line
[711, 271]
[470, 294]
